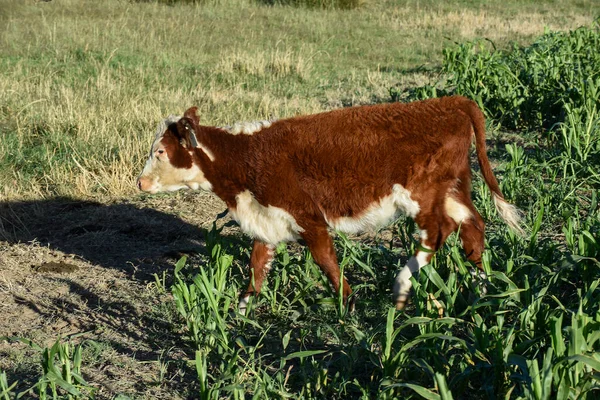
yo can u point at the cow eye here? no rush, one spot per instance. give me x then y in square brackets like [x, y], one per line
[160, 151]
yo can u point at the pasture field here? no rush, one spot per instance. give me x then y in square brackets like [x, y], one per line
[112, 294]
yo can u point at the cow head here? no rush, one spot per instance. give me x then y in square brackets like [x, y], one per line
[173, 161]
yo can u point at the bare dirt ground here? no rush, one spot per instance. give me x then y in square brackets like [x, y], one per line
[69, 267]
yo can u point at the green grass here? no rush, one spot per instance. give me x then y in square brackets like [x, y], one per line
[533, 335]
[83, 85]
[61, 372]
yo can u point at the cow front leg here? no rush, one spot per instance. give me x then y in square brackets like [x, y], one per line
[402, 283]
[260, 265]
[435, 228]
[321, 247]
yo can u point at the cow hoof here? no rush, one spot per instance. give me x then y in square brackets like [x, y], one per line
[242, 307]
[352, 304]
[401, 301]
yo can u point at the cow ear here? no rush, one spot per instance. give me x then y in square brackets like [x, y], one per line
[192, 114]
[188, 133]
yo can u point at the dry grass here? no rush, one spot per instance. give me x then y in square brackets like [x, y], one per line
[82, 85]
[476, 23]
[272, 65]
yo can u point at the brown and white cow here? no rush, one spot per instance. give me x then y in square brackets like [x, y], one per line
[351, 170]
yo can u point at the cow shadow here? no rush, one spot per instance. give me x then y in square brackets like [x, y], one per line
[136, 242]
[125, 236]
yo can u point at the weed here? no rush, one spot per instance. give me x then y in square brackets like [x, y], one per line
[61, 372]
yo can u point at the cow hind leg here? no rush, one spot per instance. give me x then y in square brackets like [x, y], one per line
[457, 214]
[260, 264]
[459, 207]
[472, 237]
[471, 230]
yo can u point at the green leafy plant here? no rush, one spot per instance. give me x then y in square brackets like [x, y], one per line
[61, 376]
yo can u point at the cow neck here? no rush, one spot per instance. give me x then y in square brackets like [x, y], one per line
[228, 172]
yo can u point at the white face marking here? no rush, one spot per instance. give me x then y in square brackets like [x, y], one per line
[455, 210]
[270, 224]
[379, 213]
[247, 128]
[159, 175]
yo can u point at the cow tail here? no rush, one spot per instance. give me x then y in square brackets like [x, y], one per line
[508, 212]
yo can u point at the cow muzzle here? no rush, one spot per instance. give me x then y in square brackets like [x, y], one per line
[145, 184]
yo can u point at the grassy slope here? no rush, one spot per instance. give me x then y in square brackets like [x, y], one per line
[82, 84]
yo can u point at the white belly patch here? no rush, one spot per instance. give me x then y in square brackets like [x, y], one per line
[379, 213]
[269, 224]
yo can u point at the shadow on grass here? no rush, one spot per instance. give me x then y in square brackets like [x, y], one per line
[121, 236]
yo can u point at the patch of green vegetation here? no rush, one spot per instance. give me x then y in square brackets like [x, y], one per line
[532, 334]
[548, 93]
[527, 87]
[61, 372]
